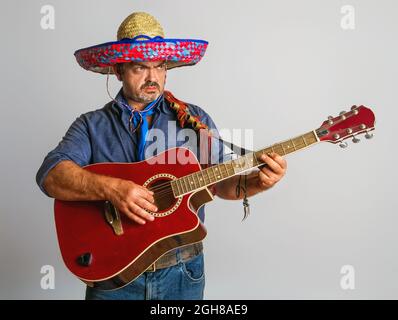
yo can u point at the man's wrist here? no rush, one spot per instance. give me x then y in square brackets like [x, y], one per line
[254, 185]
[106, 187]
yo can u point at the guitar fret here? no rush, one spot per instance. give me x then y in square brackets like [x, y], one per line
[193, 180]
[218, 176]
[200, 181]
[203, 181]
[287, 146]
[186, 184]
[298, 143]
[220, 170]
[213, 169]
[214, 174]
[208, 174]
[217, 173]
[205, 177]
[249, 163]
[283, 149]
[240, 165]
[228, 167]
[232, 168]
[305, 142]
[294, 147]
[176, 184]
[226, 170]
[198, 178]
[182, 185]
[253, 160]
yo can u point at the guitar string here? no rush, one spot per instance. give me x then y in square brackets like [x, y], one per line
[167, 184]
[255, 153]
[165, 189]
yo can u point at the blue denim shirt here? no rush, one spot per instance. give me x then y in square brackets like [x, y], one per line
[104, 135]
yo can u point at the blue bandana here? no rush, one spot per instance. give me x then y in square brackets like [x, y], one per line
[139, 118]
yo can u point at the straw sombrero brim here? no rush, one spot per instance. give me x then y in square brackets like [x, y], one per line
[176, 52]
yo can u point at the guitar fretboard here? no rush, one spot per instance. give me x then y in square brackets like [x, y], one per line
[203, 178]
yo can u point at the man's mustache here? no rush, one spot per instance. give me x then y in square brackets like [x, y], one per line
[150, 84]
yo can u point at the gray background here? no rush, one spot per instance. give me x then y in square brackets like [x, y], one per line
[277, 67]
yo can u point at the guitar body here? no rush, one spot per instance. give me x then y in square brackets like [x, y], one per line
[111, 260]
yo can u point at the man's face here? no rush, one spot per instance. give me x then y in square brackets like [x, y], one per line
[143, 82]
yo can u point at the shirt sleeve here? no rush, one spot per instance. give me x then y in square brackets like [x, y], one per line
[74, 146]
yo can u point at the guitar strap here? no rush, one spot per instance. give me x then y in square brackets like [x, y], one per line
[185, 117]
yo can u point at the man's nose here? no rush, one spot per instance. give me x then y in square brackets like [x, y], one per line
[151, 74]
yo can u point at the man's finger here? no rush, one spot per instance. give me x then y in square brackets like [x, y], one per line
[131, 215]
[272, 164]
[269, 173]
[280, 160]
[141, 212]
[145, 204]
[147, 194]
[265, 179]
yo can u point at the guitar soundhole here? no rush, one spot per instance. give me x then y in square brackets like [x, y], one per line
[164, 197]
[160, 184]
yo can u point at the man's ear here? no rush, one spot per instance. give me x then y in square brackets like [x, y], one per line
[116, 72]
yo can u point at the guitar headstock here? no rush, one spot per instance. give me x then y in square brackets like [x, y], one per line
[348, 124]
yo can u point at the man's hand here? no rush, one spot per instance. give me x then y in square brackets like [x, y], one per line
[274, 171]
[131, 199]
[69, 182]
[257, 182]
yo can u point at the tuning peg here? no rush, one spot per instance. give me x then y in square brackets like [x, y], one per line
[368, 135]
[343, 144]
[342, 115]
[330, 120]
[354, 109]
[355, 139]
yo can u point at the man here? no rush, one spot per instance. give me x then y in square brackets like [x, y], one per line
[120, 131]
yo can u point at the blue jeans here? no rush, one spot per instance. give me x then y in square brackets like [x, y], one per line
[184, 281]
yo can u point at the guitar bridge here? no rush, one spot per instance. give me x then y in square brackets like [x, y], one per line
[112, 216]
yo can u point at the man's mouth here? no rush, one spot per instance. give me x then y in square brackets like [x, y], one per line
[151, 88]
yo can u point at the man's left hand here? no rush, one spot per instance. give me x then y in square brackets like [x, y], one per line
[274, 171]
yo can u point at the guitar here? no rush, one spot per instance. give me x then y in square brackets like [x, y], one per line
[107, 250]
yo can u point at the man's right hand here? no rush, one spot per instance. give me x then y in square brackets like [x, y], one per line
[132, 199]
[68, 181]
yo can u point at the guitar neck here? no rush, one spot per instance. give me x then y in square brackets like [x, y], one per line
[203, 178]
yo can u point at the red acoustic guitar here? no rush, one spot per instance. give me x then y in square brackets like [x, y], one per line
[107, 250]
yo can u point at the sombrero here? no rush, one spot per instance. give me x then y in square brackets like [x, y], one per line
[140, 37]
